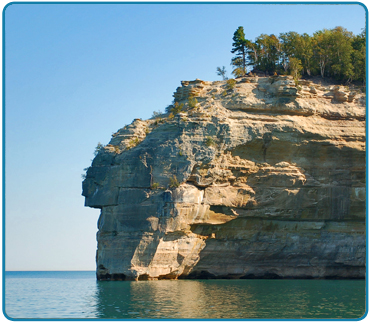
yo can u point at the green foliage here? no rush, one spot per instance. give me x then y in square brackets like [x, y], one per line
[298, 46]
[171, 116]
[175, 108]
[335, 53]
[221, 72]
[155, 185]
[98, 148]
[340, 54]
[230, 84]
[238, 72]
[358, 62]
[295, 68]
[210, 141]
[132, 143]
[192, 102]
[174, 183]
[240, 46]
[268, 53]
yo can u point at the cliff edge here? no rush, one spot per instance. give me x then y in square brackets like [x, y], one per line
[259, 179]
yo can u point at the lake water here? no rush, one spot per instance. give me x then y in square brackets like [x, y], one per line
[72, 295]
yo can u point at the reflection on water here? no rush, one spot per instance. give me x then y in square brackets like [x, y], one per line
[53, 295]
[238, 299]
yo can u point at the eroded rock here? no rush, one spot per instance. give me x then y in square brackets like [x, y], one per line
[265, 179]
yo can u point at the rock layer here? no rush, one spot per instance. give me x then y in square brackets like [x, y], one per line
[264, 179]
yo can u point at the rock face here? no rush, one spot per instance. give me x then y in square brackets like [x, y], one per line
[264, 179]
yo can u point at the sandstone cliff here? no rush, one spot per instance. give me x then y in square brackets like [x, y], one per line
[261, 179]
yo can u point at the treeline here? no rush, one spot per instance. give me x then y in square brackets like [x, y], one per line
[335, 53]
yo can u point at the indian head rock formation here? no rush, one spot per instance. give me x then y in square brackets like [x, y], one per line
[262, 178]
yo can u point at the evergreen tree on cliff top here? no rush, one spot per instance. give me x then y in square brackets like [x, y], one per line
[240, 45]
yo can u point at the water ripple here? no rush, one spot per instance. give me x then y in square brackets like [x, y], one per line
[72, 295]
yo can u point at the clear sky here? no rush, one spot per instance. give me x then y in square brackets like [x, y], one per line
[76, 73]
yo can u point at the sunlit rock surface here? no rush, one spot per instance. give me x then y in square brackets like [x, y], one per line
[262, 180]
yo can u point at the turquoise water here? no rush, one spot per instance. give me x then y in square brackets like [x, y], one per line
[72, 295]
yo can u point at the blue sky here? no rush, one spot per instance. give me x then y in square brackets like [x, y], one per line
[76, 73]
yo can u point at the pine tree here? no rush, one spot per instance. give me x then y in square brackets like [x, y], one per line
[240, 48]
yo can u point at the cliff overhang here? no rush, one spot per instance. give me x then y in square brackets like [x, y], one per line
[263, 179]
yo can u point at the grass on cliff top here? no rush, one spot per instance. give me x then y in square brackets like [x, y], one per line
[174, 182]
